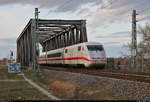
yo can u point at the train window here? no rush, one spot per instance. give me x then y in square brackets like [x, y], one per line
[54, 55]
[79, 48]
[95, 47]
[66, 50]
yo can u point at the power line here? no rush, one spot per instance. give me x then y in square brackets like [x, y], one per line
[111, 2]
[63, 5]
[108, 4]
[143, 4]
[102, 7]
[69, 1]
[144, 10]
[129, 9]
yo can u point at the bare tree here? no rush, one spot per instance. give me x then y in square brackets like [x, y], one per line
[128, 48]
[144, 45]
[145, 42]
[143, 48]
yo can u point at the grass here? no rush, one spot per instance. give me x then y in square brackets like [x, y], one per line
[5, 75]
[82, 92]
[39, 78]
[19, 90]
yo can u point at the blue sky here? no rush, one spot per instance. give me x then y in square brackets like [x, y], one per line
[108, 21]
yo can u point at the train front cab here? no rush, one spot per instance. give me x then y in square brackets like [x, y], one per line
[97, 57]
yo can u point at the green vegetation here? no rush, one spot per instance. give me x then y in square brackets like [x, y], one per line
[66, 90]
[18, 89]
[5, 75]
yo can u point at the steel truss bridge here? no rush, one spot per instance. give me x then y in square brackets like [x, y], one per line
[51, 34]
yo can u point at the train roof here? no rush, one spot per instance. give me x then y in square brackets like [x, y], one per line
[85, 43]
[61, 49]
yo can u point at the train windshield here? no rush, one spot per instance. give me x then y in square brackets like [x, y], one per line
[95, 47]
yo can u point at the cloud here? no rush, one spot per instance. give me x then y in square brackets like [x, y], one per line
[115, 43]
[7, 42]
[122, 34]
[5, 51]
[107, 14]
[100, 10]
[100, 15]
[115, 51]
[143, 17]
[5, 46]
[59, 5]
[119, 10]
[115, 39]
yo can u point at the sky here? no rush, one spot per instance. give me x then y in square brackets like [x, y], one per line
[108, 21]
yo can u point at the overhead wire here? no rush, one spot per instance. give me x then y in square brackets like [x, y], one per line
[143, 3]
[144, 10]
[63, 5]
[111, 2]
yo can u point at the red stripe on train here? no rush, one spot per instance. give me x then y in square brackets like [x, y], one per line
[73, 58]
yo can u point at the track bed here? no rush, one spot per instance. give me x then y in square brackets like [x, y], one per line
[141, 77]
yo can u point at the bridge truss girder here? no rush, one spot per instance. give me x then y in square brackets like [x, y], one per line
[51, 34]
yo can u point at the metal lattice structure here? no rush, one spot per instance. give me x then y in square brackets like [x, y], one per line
[134, 42]
[51, 34]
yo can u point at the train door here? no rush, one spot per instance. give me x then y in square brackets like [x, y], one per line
[71, 51]
[79, 61]
[46, 57]
[66, 56]
[74, 55]
[63, 56]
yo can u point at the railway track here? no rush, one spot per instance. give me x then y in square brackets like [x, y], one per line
[133, 76]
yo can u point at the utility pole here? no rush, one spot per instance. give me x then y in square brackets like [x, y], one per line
[134, 42]
[36, 41]
[142, 60]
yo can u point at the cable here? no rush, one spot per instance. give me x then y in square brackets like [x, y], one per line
[111, 2]
[51, 10]
[63, 5]
[141, 10]
[143, 4]
[144, 10]
[108, 4]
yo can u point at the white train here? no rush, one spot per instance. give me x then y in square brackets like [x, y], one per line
[88, 54]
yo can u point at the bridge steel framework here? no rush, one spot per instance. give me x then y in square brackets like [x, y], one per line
[51, 34]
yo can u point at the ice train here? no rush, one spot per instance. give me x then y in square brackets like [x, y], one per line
[87, 54]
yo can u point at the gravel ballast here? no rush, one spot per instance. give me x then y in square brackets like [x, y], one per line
[104, 87]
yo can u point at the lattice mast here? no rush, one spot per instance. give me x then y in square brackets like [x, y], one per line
[134, 42]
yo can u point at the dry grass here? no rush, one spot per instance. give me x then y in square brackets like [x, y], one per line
[68, 90]
[5, 75]
[17, 90]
